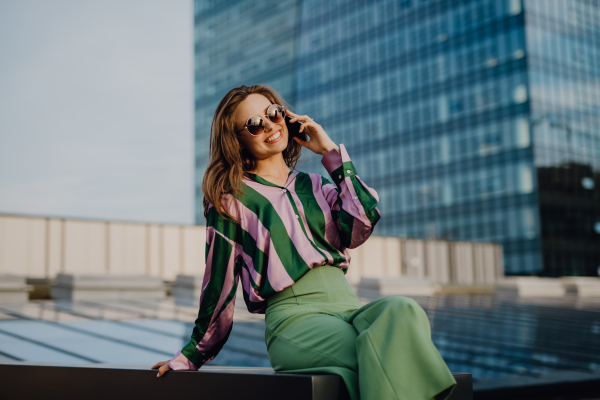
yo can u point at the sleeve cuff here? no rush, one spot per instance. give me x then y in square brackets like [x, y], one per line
[332, 160]
[181, 363]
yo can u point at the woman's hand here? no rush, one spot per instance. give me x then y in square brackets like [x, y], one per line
[320, 142]
[163, 367]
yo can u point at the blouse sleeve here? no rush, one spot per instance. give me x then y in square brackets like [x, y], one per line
[353, 204]
[217, 299]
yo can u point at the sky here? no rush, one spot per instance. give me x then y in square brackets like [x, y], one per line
[96, 109]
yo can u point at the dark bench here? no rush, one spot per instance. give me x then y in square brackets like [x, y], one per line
[25, 380]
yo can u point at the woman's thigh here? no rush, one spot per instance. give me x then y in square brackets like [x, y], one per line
[305, 337]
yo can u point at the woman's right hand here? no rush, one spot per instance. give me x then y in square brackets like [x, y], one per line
[163, 366]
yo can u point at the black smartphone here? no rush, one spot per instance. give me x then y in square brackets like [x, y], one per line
[294, 128]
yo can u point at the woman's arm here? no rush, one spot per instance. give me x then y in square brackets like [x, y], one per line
[215, 314]
[353, 204]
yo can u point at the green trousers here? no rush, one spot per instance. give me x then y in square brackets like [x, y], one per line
[382, 350]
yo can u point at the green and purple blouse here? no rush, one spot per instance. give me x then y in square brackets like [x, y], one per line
[283, 232]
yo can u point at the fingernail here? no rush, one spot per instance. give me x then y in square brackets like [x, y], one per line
[158, 374]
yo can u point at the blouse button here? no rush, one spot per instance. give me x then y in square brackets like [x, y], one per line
[348, 171]
[284, 190]
[339, 176]
[324, 262]
[297, 216]
[355, 197]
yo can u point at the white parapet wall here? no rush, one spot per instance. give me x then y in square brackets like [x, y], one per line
[39, 247]
[439, 262]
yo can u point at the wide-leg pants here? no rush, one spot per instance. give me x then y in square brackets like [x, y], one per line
[382, 350]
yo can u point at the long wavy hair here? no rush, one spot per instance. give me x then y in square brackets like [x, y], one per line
[228, 160]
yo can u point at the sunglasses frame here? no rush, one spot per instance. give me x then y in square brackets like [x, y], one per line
[263, 121]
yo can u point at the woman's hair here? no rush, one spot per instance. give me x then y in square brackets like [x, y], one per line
[228, 160]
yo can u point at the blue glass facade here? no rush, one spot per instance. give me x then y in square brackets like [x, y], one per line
[564, 79]
[456, 111]
[238, 42]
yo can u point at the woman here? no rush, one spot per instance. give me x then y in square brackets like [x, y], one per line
[287, 234]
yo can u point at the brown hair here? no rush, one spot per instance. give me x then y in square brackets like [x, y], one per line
[228, 160]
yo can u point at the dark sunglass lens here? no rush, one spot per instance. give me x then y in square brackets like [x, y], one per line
[276, 113]
[255, 125]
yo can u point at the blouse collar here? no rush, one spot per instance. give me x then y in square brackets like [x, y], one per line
[257, 178]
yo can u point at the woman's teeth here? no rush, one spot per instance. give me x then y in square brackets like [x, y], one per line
[276, 136]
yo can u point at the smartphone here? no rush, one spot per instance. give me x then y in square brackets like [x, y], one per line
[294, 128]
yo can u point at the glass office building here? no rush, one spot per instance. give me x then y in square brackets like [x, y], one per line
[474, 120]
[563, 61]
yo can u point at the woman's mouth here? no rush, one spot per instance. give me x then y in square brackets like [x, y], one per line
[274, 138]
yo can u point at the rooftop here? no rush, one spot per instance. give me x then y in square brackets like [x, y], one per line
[502, 340]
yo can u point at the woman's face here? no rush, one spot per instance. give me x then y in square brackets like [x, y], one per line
[257, 104]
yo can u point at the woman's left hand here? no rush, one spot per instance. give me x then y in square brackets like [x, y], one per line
[320, 142]
[163, 367]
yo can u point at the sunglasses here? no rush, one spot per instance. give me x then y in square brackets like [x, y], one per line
[256, 125]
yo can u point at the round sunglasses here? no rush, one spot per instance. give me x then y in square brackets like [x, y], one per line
[256, 125]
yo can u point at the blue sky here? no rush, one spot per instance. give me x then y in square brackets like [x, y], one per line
[96, 109]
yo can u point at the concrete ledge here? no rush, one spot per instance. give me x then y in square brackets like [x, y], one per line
[14, 289]
[107, 287]
[555, 385]
[530, 286]
[581, 285]
[403, 286]
[467, 289]
[97, 381]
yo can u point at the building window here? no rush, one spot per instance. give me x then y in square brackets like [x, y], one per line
[520, 94]
[522, 138]
[514, 7]
[528, 219]
[525, 179]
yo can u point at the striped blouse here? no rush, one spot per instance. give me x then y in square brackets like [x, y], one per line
[283, 232]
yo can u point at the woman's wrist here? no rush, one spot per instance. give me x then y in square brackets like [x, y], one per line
[329, 148]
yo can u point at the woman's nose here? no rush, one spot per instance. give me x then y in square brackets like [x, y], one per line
[269, 124]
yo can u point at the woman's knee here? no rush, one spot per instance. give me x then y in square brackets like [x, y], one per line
[401, 301]
[403, 304]
[407, 307]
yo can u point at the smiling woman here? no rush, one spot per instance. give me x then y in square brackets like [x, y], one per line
[285, 234]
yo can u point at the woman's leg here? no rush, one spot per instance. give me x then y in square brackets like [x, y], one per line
[307, 339]
[396, 357]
